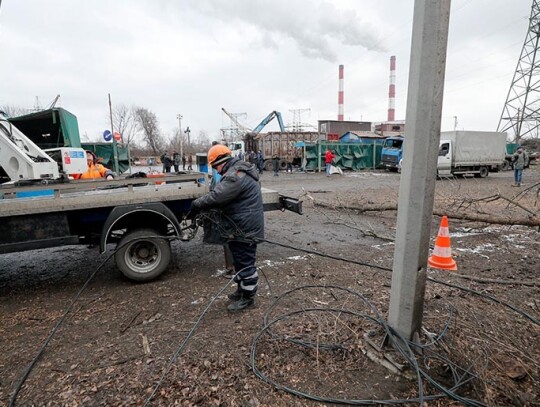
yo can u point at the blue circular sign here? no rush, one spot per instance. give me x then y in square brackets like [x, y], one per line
[107, 135]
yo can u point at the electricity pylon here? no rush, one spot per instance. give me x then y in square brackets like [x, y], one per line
[297, 125]
[520, 117]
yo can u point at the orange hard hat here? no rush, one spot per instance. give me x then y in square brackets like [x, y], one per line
[218, 154]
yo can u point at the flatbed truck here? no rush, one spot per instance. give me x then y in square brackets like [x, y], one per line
[140, 215]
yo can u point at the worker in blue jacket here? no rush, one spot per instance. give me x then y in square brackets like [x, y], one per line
[238, 198]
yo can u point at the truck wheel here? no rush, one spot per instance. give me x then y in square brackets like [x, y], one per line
[268, 165]
[483, 172]
[142, 257]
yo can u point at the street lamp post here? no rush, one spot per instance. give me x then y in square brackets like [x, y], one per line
[188, 131]
[179, 117]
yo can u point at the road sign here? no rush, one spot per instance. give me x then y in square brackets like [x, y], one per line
[107, 136]
[117, 136]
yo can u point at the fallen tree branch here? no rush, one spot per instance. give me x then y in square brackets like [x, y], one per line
[366, 208]
[476, 217]
[500, 220]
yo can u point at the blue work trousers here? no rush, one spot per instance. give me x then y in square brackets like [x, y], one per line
[517, 175]
[244, 255]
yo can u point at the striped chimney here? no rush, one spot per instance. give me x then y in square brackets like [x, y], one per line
[340, 95]
[392, 91]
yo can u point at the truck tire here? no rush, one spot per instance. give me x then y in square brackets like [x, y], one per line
[268, 165]
[142, 257]
[483, 172]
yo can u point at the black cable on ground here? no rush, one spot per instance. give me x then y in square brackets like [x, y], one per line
[65, 314]
[329, 256]
[489, 297]
[375, 266]
[185, 341]
[403, 346]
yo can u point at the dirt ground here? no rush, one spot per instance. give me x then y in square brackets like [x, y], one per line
[118, 340]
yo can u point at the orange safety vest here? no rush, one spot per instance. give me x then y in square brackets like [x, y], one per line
[94, 171]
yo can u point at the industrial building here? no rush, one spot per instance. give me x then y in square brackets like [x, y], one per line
[334, 129]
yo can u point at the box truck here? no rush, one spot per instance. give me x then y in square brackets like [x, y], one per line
[471, 152]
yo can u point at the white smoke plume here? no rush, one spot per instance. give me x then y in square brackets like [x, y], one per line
[315, 26]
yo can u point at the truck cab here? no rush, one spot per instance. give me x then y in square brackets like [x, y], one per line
[444, 160]
[237, 147]
[392, 153]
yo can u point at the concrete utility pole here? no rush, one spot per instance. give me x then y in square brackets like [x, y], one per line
[179, 117]
[417, 187]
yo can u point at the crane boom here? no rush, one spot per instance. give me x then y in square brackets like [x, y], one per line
[268, 119]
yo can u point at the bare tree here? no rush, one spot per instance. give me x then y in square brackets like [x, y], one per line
[126, 123]
[14, 111]
[204, 140]
[148, 122]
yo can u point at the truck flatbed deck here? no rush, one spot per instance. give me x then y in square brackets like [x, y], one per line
[140, 215]
[100, 194]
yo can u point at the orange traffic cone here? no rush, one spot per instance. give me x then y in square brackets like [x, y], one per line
[441, 258]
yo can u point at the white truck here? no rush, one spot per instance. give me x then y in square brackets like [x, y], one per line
[471, 152]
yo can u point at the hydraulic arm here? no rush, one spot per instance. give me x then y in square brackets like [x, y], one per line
[21, 159]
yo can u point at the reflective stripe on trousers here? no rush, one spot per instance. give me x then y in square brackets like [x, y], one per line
[244, 256]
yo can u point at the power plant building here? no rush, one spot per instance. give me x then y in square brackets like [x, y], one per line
[334, 129]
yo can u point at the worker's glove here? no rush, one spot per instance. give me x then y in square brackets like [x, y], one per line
[109, 177]
[195, 206]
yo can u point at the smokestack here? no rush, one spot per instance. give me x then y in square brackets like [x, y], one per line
[340, 95]
[392, 91]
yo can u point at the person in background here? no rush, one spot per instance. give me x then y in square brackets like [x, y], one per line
[519, 159]
[166, 161]
[289, 159]
[190, 162]
[238, 197]
[328, 158]
[275, 164]
[259, 161]
[95, 169]
[183, 162]
[176, 161]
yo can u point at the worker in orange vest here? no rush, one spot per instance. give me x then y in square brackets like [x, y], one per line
[95, 169]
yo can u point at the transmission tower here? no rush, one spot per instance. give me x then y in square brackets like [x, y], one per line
[520, 117]
[297, 125]
[37, 105]
[236, 130]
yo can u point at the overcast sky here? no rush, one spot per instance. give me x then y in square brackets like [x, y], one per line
[249, 56]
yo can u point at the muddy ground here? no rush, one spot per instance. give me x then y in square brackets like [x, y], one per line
[118, 340]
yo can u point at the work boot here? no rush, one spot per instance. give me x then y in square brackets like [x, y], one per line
[241, 304]
[235, 296]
